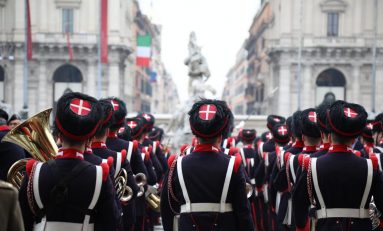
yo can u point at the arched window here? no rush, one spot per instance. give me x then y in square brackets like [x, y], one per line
[66, 78]
[331, 85]
[331, 78]
[67, 73]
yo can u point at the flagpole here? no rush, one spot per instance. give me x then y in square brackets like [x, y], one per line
[299, 68]
[24, 113]
[99, 78]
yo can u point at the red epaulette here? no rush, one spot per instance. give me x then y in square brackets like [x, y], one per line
[29, 166]
[237, 162]
[287, 156]
[145, 150]
[135, 145]
[105, 171]
[300, 159]
[357, 153]
[110, 161]
[123, 156]
[171, 159]
[233, 150]
[183, 147]
[150, 149]
[374, 160]
[158, 144]
[306, 163]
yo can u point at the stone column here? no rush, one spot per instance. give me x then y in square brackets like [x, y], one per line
[18, 86]
[91, 78]
[114, 79]
[355, 83]
[284, 107]
[42, 86]
[307, 90]
[378, 92]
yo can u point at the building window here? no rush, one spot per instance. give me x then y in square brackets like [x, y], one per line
[332, 24]
[67, 20]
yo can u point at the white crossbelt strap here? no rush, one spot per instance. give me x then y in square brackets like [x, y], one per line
[118, 164]
[260, 149]
[368, 185]
[226, 151]
[278, 201]
[183, 186]
[154, 147]
[188, 150]
[225, 190]
[224, 143]
[130, 151]
[266, 192]
[379, 161]
[36, 191]
[267, 159]
[207, 207]
[96, 195]
[291, 162]
[379, 148]
[243, 157]
[342, 212]
[252, 162]
[143, 156]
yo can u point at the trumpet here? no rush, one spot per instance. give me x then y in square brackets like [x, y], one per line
[141, 181]
[124, 192]
[152, 198]
[34, 136]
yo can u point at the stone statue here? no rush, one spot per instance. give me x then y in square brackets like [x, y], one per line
[198, 69]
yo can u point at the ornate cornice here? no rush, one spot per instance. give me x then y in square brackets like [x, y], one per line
[67, 3]
[333, 6]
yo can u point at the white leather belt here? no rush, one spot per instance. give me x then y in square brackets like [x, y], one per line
[349, 213]
[206, 207]
[61, 226]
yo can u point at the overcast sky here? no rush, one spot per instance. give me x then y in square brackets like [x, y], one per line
[221, 27]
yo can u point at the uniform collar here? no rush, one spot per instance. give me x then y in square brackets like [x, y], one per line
[312, 148]
[339, 148]
[69, 153]
[206, 148]
[112, 134]
[4, 128]
[88, 151]
[98, 144]
[324, 146]
[298, 144]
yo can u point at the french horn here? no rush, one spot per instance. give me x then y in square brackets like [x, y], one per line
[33, 135]
[123, 191]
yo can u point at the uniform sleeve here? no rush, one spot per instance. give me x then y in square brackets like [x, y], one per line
[161, 157]
[28, 216]
[241, 205]
[151, 176]
[301, 202]
[157, 166]
[107, 216]
[377, 191]
[137, 163]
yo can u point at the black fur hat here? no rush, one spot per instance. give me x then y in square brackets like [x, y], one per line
[280, 133]
[296, 128]
[148, 120]
[248, 135]
[125, 133]
[136, 125]
[4, 114]
[266, 136]
[346, 119]
[119, 112]
[210, 118]
[272, 120]
[78, 116]
[107, 113]
[321, 111]
[309, 123]
[367, 131]
[156, 134]
[378, 123]
[289, 125]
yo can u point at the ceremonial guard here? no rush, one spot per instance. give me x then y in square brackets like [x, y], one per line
[156, 135]
[120, 164]
[377, 132]
[9, 152]
[133, 155]
[269, 145]
[206, 187]
[367, 140]
[321, 113]
[339, 185]
[68, 193]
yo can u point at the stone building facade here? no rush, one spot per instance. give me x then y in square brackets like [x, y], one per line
[336, 53]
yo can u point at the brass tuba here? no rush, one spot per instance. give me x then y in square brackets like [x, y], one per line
[33, 135]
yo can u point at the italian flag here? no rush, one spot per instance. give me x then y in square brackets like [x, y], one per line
[143, 50]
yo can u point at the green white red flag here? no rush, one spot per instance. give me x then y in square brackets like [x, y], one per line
[144, 43]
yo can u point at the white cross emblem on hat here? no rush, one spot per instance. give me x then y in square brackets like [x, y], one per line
[350, 113]
[114, 104]
[313, 116]
[370, 126]
[132, 124]
[269, 136]
[146, 116]
[282, 130]
[80, 107]
[207, 112]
